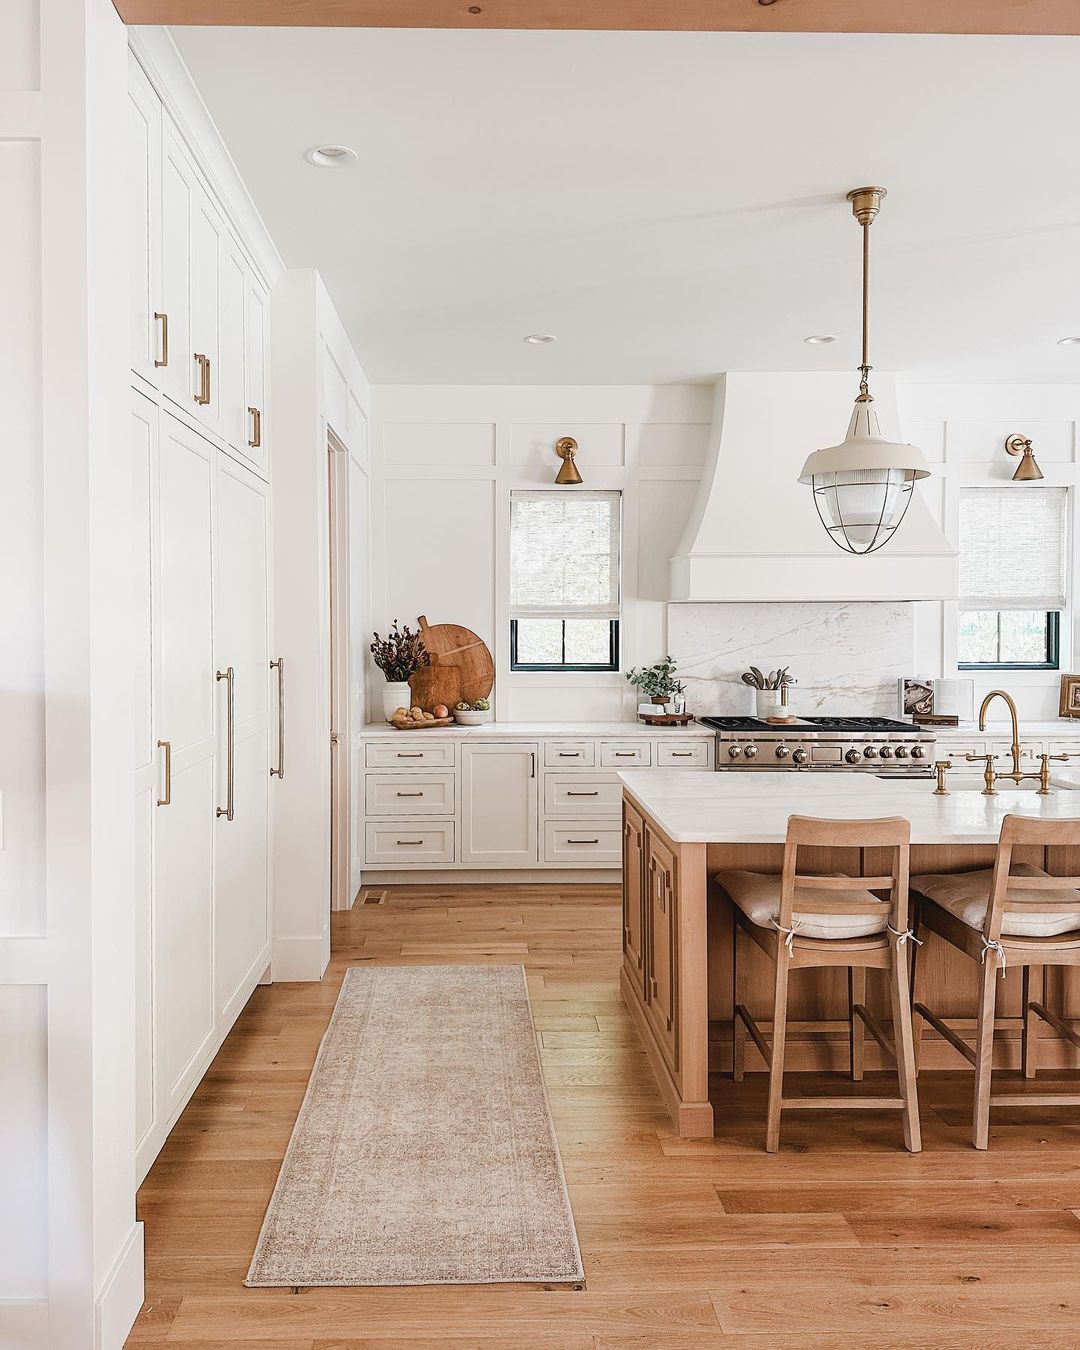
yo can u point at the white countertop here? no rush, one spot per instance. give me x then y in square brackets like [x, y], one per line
[753, 808]
[531, 730]
[1068, 727]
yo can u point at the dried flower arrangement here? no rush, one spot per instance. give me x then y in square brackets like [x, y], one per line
[400, 654]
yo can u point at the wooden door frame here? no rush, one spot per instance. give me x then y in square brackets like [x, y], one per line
[337, 496]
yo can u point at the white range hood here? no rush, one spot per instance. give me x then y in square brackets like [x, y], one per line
[753, 532]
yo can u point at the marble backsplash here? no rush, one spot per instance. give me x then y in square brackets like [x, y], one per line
[845, 657]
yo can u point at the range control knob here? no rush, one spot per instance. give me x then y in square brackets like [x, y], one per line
[901, 752]
[853, 756]
[782, 752]
[886, 752]
[734, 752]
[870, 752]
[750, 752]
[799, 757]
[917, 752]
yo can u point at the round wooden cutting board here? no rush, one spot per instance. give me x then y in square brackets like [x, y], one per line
[461, 669]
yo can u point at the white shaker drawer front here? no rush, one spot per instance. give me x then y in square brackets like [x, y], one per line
[384, 755]
[570, 754]
[409, 794]
[577, 794]
[957, 751]
[420, 842]
[1070, 748]
[684, 754]
[596, 843]
[625, 754]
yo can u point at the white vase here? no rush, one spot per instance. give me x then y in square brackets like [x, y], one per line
[395, 694]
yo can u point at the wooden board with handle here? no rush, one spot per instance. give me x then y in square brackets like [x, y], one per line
[461, 670]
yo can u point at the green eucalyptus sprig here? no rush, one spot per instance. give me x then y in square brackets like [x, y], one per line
[657, 681]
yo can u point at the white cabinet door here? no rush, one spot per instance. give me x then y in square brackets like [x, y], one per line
[254, 442]
[183, 871]
[178, 189]
[499, 805]
[231, 389]
[207, 249]
[241, 893]
[144, 221]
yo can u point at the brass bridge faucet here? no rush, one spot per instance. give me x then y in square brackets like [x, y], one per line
[1017, 774]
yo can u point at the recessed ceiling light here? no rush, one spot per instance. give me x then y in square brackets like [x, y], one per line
[539, 339]
[330, 156]
[1069, 342]
[821, 339]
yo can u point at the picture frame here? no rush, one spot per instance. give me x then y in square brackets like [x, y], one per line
[1069, 702]
[915, 696]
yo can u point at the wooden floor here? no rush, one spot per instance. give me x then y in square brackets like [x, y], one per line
[840, 1239]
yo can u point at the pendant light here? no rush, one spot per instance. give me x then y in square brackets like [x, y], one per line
[863, 486]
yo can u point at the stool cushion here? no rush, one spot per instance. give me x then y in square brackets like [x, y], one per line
[758, 896]
[966, 895]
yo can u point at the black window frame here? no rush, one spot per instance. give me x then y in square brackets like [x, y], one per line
[610, 665]
[1053, 646]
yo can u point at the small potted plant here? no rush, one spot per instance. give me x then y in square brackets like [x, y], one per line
[660, 684]
[398, 655]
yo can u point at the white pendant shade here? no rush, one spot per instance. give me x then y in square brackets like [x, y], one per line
[862, 486]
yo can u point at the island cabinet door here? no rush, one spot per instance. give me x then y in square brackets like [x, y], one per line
[634, 897]
[661, 951]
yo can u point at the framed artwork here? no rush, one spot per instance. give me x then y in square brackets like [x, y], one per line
[1069, 703]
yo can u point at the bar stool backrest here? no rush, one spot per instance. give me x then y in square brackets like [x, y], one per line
[892, 832]
[1020, 831]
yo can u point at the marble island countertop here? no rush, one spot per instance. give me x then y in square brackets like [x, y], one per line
[753, 808]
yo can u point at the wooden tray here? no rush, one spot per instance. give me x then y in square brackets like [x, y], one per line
[461, 669]
[666, 719]
[424, 726]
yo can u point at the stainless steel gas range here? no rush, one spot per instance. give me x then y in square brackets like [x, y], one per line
[824, 744]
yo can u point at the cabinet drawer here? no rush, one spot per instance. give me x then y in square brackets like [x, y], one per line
[584, 843]
[625, 754]
[957, 750]
[570, 754]
[576, 794]
[1070, 748]
[410, 755]
[409, 794]
[684, 754]
[1029, 753]
[420, 843]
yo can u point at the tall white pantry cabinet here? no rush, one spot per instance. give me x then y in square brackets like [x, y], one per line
[206, 722]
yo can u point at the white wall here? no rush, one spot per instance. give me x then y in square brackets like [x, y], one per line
[446, 459]
[962, 431]
[70, 1250]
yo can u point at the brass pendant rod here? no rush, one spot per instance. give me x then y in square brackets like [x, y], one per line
[865, 367]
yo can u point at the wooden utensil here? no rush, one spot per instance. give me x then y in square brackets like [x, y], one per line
[461, 670]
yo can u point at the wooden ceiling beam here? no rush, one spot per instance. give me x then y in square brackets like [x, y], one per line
[1047, 17]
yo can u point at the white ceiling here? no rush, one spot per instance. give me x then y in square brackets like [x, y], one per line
[669, 204]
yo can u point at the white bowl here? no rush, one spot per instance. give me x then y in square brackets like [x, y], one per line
[472, 719]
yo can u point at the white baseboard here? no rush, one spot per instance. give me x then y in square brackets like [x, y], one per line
[300, 958]
[24, 1324]
[121, 1295]
[487, 876]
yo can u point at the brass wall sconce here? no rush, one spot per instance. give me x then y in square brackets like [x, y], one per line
[1027, 471]
[566, 448]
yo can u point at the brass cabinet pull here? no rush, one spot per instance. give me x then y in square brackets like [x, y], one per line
[228, 810]
[163, 319]
[256, 428]
[167, 799]
[410, 794]
[626, 754]
[682, 754]
[569, 754]
[279, 665]
[583, 841]
[594, 793]
[409, 843]
[410, 754]
[532, 764]
[203, 396]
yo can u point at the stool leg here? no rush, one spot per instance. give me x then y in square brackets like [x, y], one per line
[918, 979]
[1033, 993]
[856, 1031]
[984, 1052]
[905, 1048]
[779, 1038]
[740, 984]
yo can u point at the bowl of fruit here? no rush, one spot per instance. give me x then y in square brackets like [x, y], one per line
[473, 714]
[416, 718]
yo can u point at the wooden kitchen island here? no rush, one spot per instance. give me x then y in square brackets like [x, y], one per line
[680, 830]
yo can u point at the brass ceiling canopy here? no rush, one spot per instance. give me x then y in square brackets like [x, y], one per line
[566, 448]
[1027, 471]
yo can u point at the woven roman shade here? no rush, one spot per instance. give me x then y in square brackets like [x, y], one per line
[564, 555]
[1013, 548]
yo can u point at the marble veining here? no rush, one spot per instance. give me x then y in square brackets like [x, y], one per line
[845, 657]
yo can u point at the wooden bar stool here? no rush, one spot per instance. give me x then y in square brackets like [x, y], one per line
[803, 921]
[1023, 919]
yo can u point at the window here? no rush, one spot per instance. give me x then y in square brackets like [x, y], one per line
[1012, 577]
[564, 580]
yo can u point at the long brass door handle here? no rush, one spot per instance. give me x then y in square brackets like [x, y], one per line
[279, 665]
[167, 799]
[229, 809]
[163, 319]
[203, 396]
[256, 428]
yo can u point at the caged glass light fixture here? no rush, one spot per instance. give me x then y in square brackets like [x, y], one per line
[862, 487]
